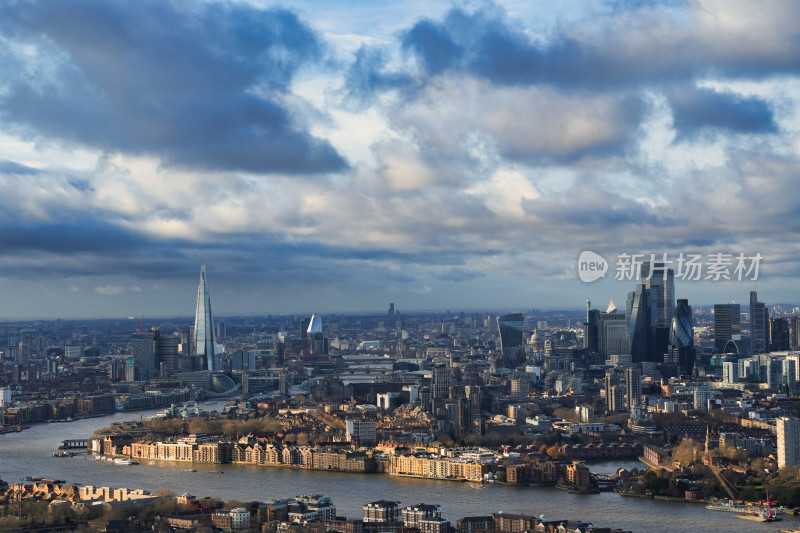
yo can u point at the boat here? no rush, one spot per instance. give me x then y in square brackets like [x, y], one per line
[62, 453]
[189, 470]
[729, 506]
[120, 461]
[760, 517]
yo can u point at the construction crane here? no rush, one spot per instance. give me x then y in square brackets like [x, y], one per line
[139, 325]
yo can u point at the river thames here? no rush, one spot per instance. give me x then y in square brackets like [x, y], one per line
[29, 453]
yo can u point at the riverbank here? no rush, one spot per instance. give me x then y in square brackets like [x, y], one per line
[30, 453]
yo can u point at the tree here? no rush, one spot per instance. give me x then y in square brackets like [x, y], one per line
[554, 452]
[687, 452]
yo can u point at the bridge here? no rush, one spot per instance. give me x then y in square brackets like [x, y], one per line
[72, 444]
[604, 482]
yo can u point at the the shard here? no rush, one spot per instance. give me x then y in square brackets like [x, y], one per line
[204, 325]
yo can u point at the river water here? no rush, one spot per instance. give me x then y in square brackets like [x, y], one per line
[29, 453]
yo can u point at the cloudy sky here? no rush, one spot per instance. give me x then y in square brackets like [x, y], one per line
[338, 156]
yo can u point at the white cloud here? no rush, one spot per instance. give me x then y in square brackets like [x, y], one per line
[110, 290]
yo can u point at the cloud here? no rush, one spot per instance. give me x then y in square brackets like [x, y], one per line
[696, 108]
[110, 290]
[12, 167]
[202, 88]
[629, 45]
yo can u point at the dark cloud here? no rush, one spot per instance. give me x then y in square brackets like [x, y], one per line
[67, 238]
[200, 87]
[367, 76]
[633, 44]
[12, 167]
[697, 108]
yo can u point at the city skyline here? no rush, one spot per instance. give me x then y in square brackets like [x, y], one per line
[334, 159]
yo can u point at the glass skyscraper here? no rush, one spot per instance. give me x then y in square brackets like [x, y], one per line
[759, 325]
[511, 337]
[650, 308]
[681, 337]
[727, 325]
[204, 345]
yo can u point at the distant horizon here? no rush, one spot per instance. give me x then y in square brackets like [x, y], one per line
[451, 311]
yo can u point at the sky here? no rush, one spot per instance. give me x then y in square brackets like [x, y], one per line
[337, 156]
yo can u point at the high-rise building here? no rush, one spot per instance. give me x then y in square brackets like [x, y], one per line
[779, 335]
[759, 325]
[681, 337]
[650, 307]
[168, 354]
[316, 340]
[633, 388]
[788, 430]
[612, 334]
[790, 375]
[590, 328]
[614, 390]
[661, 282]
[727, 325]
[391, 310]
[204, 345]
[511, 336]
[774, 368]
[639, 311]
[440, 384]
[142, 350]
[794, 333]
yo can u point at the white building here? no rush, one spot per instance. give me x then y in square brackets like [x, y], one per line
[5, 396]
[788, 430]
[240, 518]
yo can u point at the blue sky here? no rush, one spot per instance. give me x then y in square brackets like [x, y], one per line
[337, 156]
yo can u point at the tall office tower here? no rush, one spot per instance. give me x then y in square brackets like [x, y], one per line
[789, 375]
[759, 325]
[440, 385]
[612, 334]
[727, 325]
[788, 430]
[661, 281]
[779, 335]
[639, 310]
[304, 323]
[511, 336]
[681, 337]
[142, 350]
[391, 310]
[222, 331]
[794, 335]
[590, 331]
[633, 388]
[204, 345]
[24, 351]
[316, 340]
[167, 354]
[650, 307]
